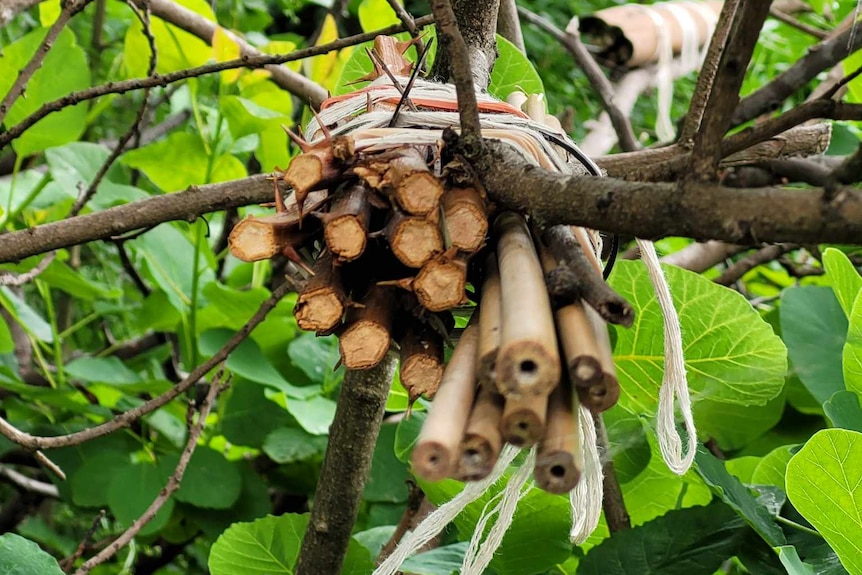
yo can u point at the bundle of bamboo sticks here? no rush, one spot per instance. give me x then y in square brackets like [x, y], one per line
[393, 239]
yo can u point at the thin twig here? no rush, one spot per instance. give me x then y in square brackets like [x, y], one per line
[599, 82]
[28, 483]
[409, 23]
[405, 94]
[764, 255]
[16, 280]
[69, 562]
[251, 62]
[43, 459]
[613, 504]
[171, 486]
[798, 24]
[69, 10]
[125, 419]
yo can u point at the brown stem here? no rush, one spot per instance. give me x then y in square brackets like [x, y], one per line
[414, 239]
[748, 263]
[508, 24]
[613, 503]
[421, 360]
[346, 464]
[436, 453]
[465, 214]
[528, 361]
[321, 301]
[345, 227]
[366, 339]
[440, 283]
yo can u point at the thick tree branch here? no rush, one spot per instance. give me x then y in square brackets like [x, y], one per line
[466, 36]
[345, 469]
[723, 91]
[245, 61]
[821, 57]
[602, 86]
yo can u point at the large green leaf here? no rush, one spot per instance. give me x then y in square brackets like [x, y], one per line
[131, 492]
[252, 504]
[846, 281]
[388, 478]
[772, 467]
[108, 370]
[814, 328]
[63, 70]
[444, 560]
[177, 49]
[824, 483]
[249, 416]
[735, 426]
[29, 318]
[852, 355]
[316, 357]
[210, 480]
[513, 71]
[376, 14]
[843, 410]
[693, 541]
[91, 481]
[270, 546]
[731, 354]
[291, 444]
[19, 556]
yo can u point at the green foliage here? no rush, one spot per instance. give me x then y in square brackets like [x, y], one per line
[18, 556]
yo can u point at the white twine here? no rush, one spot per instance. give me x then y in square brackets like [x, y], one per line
[586, 497]
[443, 515]
[674, 384]
[664, 54]
[480, 553]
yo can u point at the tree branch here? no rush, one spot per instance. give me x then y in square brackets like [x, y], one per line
[723, 92]
[252, 62]
[473, 52]
[599, 82]
[613, 504]
[699, 257]
[346, 464]
[125, 419]
[172, 485]
[28, 483]
[509, 26]
[748, 263]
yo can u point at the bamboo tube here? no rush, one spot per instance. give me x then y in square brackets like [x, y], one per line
[577, 278]
[482, 441]
[603, 394]
[466, 217]
[320, 303]
[345, 226]
[489, 323]
[414, 240]
[528, 361]
[559, 460]
[366, 340]
[440, 283]
[421, 361]
[524, 416]
[577, 337]
[436, 452]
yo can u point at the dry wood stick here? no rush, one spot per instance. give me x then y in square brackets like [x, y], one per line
[318, 166]
[440, 283]
[345, 226]
[603, 394]
[465, 214]
[482, 441]
[403, 174]
[366, 340]
[320, 304]
[528, 361]
[489, 323]
[577, 278]
[421, 360]
[559, 460]
[414, 239]
[436, 453]
[524, 417]
[578, 342]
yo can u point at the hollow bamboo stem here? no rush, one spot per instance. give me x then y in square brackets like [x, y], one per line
[489, 323]
[482, 441]
[528, 361]
[559, 460]
[436, 453]
[524, 417]
[603, 394]
[366, 340]
[320, 303]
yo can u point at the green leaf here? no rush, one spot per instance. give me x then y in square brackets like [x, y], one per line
[177, 48]
[246, 403]
[248, 361]
[60, 276]
[108, 370]
[210, 480]
[846, 281]
[731, 354]
[735, 426]
[252, 504]
[843, 411]
[738, 497]
[824, 483]
[440, 561]
[790, 559]
[814, 328]
[387, 481]
[290, 444]
[131, 492]
[315, 414]
[407, 434]
[63, 70]
[91, 481]
[693, 541]
[852, 63]
[316, 357]
[376, 14]
[852, 355]
[772, 467]
[268, 546]
[513, 71]
[19, 556]
[29, 318]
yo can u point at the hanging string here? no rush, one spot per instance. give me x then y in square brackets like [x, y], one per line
[586, 497]
[674, 385]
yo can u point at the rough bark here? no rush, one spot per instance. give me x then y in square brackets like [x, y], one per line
[477, 22]
[345, 469]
